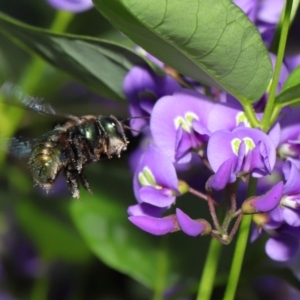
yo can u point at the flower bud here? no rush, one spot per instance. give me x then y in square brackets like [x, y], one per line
[183, 187]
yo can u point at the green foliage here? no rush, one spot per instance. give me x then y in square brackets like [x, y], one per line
[54, 239]
[290, 93]
[99, 64]
[212, 41]
[112, 238]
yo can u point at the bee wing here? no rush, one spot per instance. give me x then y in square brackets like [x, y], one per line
[15, 96]
[16, 147]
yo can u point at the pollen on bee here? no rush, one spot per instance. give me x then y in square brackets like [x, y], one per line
[45, 158]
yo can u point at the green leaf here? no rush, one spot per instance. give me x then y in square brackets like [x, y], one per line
[290, 93]
[52, 237]
[99, 64]
[107, 231]
[208, 40]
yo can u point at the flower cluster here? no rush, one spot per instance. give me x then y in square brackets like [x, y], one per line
[184, 123]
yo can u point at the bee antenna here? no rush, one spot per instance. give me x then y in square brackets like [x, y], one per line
[138, 117]
[128, 127]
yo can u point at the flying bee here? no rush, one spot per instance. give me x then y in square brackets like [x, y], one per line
[68, 147]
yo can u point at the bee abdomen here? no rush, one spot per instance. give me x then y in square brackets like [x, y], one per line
[45, 163]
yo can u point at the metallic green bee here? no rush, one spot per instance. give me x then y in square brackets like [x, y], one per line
[68, 147]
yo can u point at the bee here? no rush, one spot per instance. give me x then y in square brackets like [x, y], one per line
[68, 147]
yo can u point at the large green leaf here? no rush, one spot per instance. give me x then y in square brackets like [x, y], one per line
[290, 93]
[54, 239]
[105, 227]
[99, 64]
[208, 40]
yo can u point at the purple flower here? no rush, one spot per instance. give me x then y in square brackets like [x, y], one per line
[264, 14]
[142, 87]
[292, 62]
[75, 6]
[240, 152]
[284, 243]
[250, 8]
[192, 227]
[156, 226]
[143, 52]
[179, 124]
[264, 203]
[155, 181]
[145, 209]
[290, 131]
[283, 222]
[290, 202]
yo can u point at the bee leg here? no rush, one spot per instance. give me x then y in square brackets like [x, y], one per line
[85, 183]
[88, 149]
[105, 138]
[72, 182]
[76, 154]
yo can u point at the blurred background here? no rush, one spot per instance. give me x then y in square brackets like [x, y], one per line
[56, 247]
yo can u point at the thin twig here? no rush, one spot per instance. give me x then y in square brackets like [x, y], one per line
[213, 212]
[235, 226]
[200, 195]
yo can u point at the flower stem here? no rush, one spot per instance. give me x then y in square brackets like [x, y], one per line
[250, 114]
[240, 248]
[40, 288]
[162, 269]
[213, 213]
[209, 271]
[198, 194]
[265, 123]
[61, 21]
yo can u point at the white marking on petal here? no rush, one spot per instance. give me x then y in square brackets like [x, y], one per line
[186, 121]
[146, 178]
[241, 118]
[235, 145]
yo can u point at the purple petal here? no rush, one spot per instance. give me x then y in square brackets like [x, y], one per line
[282, 248]
[255, 233]
[270, 200]
[182, 146]
[156, 197]
[139, 79]
[223, 116]
[223, 176]
[155, 226]
[75, 6]
[161, 167]
[187, 225]
[275, 133]
[168, 109]
[249, 7]
[291, 216]
[270, 10]
[145, 209]
[219, 149]
[292, 62]
[276, 216]
[292, 177]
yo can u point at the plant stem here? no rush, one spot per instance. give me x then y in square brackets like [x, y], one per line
[213, 212]
[209, 271]
[162, 269]
[40, 288]
[250, 114]
[240, 248]
[198, 194]
[265, 123]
